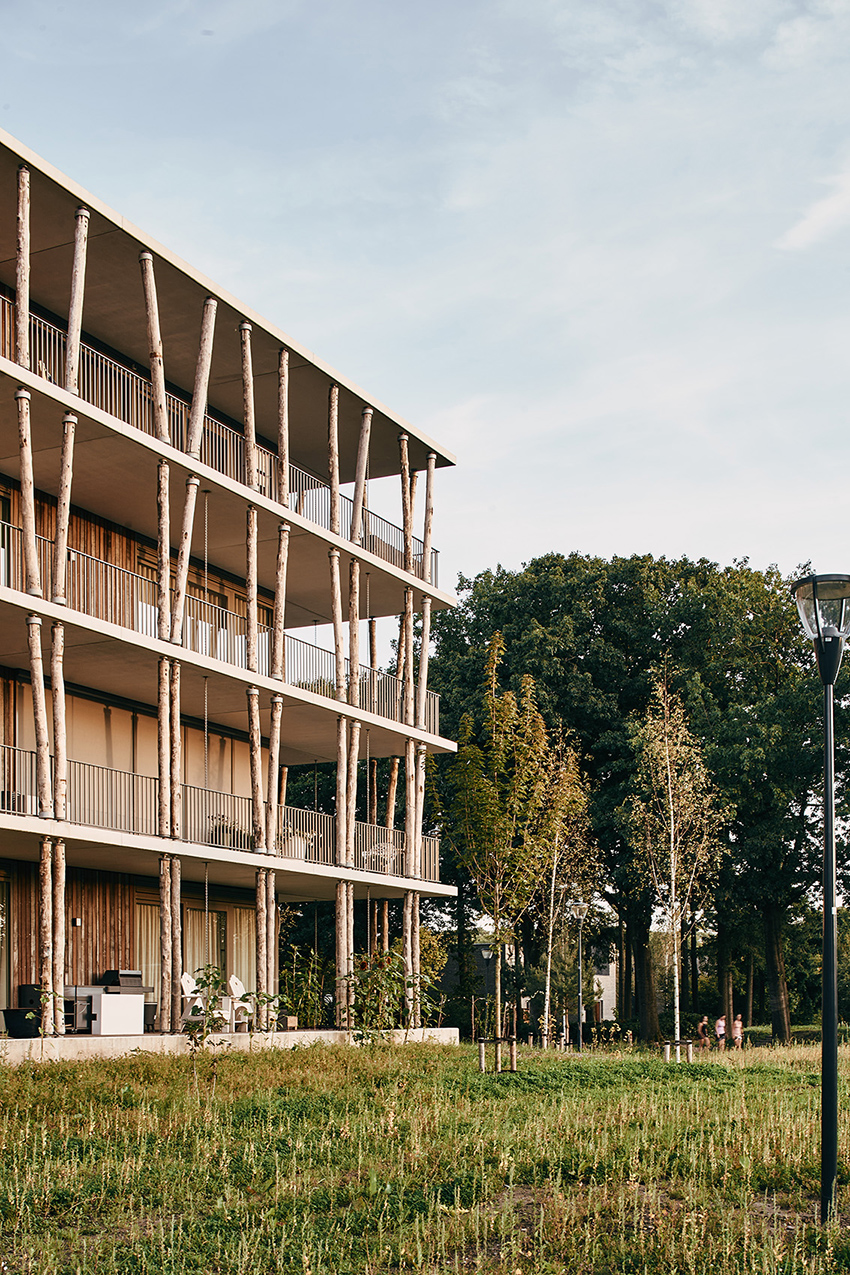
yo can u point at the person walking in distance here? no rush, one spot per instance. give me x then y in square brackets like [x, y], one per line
[738, 1032]
[702, 1033]
[720, 1031]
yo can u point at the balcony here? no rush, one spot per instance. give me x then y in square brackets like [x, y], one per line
[104, 592]
[115, 389]
[121, 801]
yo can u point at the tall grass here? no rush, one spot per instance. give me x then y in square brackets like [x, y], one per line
[335, 1160]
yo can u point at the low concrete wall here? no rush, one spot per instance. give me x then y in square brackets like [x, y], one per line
[80, 1048]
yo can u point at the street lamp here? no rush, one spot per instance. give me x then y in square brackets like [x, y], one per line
[579, 911]
[824, 606]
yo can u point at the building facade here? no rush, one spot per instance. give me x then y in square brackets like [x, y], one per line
[184, 499]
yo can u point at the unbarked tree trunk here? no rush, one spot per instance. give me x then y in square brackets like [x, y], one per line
[773, 920]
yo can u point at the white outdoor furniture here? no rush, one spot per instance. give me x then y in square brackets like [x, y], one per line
[116, 1015]
[195, 1004]
[241, 1003]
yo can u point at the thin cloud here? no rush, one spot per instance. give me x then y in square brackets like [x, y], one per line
[824, 218]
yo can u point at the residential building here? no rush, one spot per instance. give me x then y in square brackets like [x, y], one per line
[184, 495]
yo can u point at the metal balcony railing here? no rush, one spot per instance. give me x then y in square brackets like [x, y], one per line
[121, 801]
[105, 592]
[126, 395]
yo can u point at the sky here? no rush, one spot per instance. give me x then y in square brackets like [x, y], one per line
[599, 249]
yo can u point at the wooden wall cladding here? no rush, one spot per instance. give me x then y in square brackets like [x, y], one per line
[105, 902]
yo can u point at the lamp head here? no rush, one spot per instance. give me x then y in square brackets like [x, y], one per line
[579, 910]
[823, 602]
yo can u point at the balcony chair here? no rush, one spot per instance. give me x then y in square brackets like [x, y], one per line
[241, 1004]
[195, 1004]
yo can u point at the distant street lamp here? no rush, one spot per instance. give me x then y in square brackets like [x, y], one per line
[579, 911]
[487, 956]
[824, 606]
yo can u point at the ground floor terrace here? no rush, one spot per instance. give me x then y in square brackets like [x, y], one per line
[79, 902]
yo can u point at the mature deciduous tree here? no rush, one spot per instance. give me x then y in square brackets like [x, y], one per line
[590, 632]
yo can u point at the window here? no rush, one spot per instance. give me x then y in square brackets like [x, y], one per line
[148, 948]
[202, 946]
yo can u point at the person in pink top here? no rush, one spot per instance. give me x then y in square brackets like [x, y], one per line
[738, 1032]
[720, 1031]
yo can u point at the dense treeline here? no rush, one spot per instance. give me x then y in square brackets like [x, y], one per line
[594, 634]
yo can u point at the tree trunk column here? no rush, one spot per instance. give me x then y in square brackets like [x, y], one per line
[176, 759]
[75, 310]
[262, 949]
[248, 418]
[60, 740]
[163, 734]
[283, 427]
[163, 552]
[273, 783]
[22, 270]
[271, 943]
[32, 567]
[159, 406]
[255, 744]
[39, 711]
[63, 510]
[45, 935]
[59, 936]
[176, 945]
[278, 652]
[166, 944]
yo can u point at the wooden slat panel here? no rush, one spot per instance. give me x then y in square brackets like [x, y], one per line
[23, 889]
[106, 903]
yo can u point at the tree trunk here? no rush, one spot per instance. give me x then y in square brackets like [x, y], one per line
[262, 937]
[22, 270]
[248, 418]
[45, 935]
[283, 427]
[722, 968]
[166, 949]
[628, 977]
[333, 456]
[159, 406]
[647, 1005]
[684, 980]
[677, 1007]
[63, 509]
[75, 309]
[198, 410]
[780, 1014]
[498, 999]
[748, 1013]
[59, 936]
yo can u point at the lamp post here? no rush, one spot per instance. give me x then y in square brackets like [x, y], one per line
[823, 602]
[579, 911]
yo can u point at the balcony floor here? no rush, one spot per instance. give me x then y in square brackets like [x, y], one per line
[107, 451]
[110, 851]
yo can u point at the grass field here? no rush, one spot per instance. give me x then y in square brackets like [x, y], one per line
[370, 1160]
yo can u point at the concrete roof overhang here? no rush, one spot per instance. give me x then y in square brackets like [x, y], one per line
[114, 313]
[297, 881]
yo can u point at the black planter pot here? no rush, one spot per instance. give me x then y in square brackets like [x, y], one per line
[22, 1024]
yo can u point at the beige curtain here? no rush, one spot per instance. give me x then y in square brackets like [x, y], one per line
[148, 947]
[245, 947]
[200, 948]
